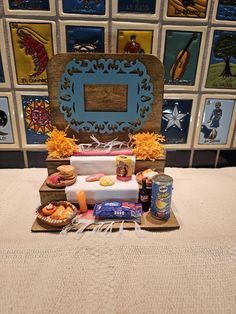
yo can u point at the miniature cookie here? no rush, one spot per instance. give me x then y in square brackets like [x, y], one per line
[107, 181]
[94, 177]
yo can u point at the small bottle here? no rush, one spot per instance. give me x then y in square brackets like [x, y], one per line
[145, 196]
[81, 199]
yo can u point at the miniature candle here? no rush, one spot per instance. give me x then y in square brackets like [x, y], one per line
[81, 198]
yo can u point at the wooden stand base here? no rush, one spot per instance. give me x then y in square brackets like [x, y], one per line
[147, 223]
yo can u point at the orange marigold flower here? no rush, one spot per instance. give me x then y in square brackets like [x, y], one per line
[60, 146]
[147, 146]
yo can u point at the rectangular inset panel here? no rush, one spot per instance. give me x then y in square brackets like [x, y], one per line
[108, 97]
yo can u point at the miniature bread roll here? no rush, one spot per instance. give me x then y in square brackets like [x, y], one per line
[107, 181]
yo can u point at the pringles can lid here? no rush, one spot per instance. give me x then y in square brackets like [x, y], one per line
[162, 178]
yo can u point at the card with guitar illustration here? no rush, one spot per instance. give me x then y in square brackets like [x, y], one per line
[176, 124]
[4, 72]
[224, 12]
[34, 117]
[190, 10]
[8, 138]
[134, 38]
[136, 9]
[35, 7]
[216, 121]
[84, 36]
[84, 8]
[221, 60]
[32, 46]
[181, 53]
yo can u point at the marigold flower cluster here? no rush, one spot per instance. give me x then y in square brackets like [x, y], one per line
[59, 145]
[147, 146]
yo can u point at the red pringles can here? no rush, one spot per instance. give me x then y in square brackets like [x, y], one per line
[124, 168]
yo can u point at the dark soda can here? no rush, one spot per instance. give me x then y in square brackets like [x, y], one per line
[161, 196]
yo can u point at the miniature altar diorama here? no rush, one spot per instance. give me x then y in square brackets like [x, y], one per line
[105, 154]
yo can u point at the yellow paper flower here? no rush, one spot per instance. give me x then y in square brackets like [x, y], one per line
[60, 146]
[147, 146]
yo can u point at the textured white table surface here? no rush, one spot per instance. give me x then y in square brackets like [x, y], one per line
[190, 270]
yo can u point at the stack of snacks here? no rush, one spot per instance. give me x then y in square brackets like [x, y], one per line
[65, 177]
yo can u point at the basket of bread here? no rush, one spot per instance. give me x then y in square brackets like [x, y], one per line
[56, 214]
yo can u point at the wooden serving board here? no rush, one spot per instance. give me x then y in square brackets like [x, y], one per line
[147, 223]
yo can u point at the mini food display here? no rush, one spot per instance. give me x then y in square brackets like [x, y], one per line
[56, 213]
[65, 176]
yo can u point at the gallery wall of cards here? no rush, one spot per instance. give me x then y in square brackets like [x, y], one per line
[199, 107]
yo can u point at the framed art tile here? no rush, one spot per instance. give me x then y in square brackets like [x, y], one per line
[134, 38]
[84, 36]
[32, 45]
[4, 72]
[33, 7]
[136, 9]
[216, 121]
[84, 8]
[177, 122]
[8, 131]
[187, 10]
[224, 12]
[34, 117]
[220, 72]
[181, 53]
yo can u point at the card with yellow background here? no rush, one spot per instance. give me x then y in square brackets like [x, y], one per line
[134, 41]
[187, 8]
[32, 46]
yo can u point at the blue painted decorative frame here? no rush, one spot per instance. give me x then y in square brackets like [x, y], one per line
[109, 71]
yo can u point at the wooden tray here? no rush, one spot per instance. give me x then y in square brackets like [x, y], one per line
[147, 223]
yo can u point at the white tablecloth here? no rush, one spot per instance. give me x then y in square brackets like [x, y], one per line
[190, 270]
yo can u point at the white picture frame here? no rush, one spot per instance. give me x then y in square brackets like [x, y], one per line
[50, 12]
[217, 21]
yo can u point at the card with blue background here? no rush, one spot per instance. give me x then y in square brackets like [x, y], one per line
[216, 121]
[2, 76]
[176, 115]
[226, 10]
[137, 6]
[36, 115]
[95, 7]
[84, 38]
[42, 5]
[222, 65]
[6, 133]
[181, 57]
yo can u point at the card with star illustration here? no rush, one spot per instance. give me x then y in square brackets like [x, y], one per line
[32, 46]
[216, 121]
[181, 52]
[84, 36]
[137, 38]
[34, 117]
[176, 123]
[84, 8]
[136, 9]
[8, 130]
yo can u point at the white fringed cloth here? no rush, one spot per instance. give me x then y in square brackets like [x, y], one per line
[190, 270]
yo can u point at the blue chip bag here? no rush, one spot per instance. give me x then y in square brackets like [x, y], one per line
[118, 210]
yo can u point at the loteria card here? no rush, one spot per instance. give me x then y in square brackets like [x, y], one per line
[4, 72]
[136, 6]
[188, 9]
[216, 122]
[181, 56]
[32, 45]
[39, 7]
[6, 130]
[81, 38]
[91, 7]
[221, 72]
[226, 10]
[35, 115]
[134, 38]
[2, 75]
[176, 123]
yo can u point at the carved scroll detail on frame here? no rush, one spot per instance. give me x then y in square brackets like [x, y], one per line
[105, 71]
